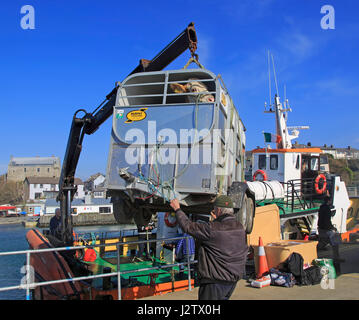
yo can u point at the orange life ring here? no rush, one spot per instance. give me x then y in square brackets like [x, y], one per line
[316, 184]
[167, 222]
[262, 172]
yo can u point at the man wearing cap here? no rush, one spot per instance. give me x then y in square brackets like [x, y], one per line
[222, 249]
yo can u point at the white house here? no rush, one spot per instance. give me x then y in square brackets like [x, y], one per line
[47, 188]
[86, 205]
[95, 181]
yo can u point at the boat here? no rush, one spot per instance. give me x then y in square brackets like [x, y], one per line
[292, 177]
[94, 256]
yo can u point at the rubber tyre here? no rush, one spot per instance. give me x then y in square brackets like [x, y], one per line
[250, 214]
[122, 212]
[245, 214]
[242, 213]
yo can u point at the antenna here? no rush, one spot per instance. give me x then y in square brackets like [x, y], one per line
[270, 93]
[275, 78]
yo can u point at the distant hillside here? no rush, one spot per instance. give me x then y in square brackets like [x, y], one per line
[347, 169]
[10, 192]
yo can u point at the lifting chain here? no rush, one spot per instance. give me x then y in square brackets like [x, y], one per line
[194, 58]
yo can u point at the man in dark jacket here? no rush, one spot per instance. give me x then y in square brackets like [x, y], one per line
[55, 223]
[327, 232]
[222, 250]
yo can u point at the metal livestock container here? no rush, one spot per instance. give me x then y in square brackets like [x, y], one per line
[175, 133]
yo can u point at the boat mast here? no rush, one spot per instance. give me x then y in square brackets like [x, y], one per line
[281, 116]
[281, 125]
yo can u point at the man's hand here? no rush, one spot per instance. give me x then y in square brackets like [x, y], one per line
[175, 204]
[214, 217]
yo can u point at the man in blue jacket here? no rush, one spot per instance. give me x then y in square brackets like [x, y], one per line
[222, 249]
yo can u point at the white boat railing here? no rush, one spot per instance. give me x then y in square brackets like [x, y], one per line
[28, 283]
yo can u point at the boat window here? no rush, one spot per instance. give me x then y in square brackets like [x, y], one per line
[273, 162]
[314, 164]
[324, 159]
[297, 165]
[262, 161]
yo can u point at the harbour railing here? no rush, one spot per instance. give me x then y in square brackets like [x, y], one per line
[28, 283]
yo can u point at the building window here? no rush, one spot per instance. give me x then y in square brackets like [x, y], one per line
[41, 185]
[262, 162]
[48, 169]
[273, 162]
[38, 169]
[24, 169]
[105, 210]
[37, 195]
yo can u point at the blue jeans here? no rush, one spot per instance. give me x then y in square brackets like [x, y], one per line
[328, 237]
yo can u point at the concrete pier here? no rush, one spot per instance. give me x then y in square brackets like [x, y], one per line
[346, 285]
[88, 219]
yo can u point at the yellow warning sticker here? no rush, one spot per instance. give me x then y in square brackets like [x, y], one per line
[136, 115]
[223, 100]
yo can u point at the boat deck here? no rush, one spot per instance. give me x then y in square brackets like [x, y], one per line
[135, 272]
[287, 210]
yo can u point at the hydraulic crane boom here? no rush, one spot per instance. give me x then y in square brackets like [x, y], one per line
[90, 122]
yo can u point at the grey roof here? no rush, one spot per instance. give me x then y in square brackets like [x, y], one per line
[94, 176]
[331, 148]
[34, 161]
[79, 202]
[49, 180]
[347, 150]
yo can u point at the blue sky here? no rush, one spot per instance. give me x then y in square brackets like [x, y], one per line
[79, 49]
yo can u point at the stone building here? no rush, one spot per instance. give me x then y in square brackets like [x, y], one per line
[21, 168]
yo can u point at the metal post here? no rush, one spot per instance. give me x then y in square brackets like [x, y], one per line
[189, 265]
[292, 197]
[172, 269]
[118, 272]
[147, 245]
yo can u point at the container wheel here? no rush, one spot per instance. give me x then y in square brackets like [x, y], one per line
[250, 214]
[245, 214]
[121, 211]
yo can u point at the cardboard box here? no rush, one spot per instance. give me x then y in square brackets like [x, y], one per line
[267, 226]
